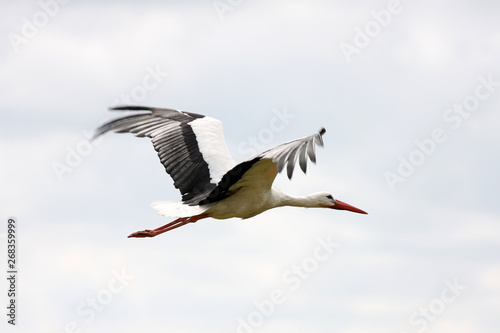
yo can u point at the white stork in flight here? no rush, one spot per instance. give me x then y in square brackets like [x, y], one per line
[193, 151]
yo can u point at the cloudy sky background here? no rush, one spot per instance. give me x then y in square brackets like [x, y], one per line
[246, 63]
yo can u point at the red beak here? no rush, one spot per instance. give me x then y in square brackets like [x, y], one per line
[343, 206]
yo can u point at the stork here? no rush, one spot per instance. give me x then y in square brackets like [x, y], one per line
[193, 151]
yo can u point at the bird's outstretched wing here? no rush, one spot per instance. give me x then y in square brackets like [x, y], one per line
[191, 146]
[260, 171]
[288, 153]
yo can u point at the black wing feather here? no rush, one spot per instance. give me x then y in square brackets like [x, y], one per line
[174, 141]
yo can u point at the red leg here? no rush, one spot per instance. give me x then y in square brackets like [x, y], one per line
[169, 226]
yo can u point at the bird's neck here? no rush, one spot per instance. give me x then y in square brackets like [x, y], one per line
[283, 199]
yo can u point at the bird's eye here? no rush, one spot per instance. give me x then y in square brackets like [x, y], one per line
[329, 196]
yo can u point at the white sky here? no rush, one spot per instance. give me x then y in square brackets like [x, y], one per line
[438, 226]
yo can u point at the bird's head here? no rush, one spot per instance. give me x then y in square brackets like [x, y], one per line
[326, 200]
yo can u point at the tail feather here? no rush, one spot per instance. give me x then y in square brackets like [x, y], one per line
[178, 208]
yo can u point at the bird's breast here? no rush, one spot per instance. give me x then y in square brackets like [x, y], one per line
[243, 204]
